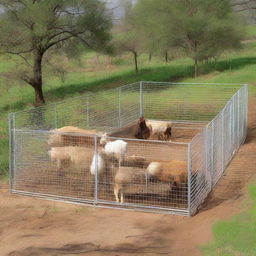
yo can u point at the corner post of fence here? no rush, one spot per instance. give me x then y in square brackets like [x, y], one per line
[96, 174]
[222, 141]
[87, 112]
[212, 156]
[55, 116]
[233, 124]
[238, 118]
[119, 106]
[206, 143]
[189, 178]
[141, 99]
[230, 131]
[246, 109]
[11, 122]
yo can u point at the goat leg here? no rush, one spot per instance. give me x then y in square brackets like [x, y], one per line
[116, 191]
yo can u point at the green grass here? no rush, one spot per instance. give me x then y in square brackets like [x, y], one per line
[237, 236]
[251, 31]
[92, 74]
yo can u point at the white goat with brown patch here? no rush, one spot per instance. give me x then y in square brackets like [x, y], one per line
[160, 129]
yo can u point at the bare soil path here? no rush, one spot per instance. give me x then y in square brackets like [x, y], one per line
[34, 227]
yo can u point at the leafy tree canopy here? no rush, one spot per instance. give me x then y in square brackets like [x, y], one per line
[29, 28]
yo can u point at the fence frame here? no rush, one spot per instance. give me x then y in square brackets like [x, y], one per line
[237, 134]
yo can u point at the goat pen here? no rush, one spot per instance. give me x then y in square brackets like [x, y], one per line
[209, 123]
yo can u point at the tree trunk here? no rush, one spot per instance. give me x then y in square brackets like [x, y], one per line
[196, 68]
[150, 57]
[166, 56]
[135, 55]
[36, 81]
[39, 96]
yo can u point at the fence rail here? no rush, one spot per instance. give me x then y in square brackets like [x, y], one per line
[209, 123]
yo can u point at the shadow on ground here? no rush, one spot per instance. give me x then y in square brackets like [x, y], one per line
[240, 170]
[91, 249]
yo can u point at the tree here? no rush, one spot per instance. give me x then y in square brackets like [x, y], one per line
[205, 28]
[31, 28]
[202, 28]
[150, 22]
[127, 38]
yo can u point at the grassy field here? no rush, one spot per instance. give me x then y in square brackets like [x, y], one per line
[237, 236]
[251, 32]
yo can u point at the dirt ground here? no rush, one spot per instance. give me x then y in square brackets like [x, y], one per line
[35, 227]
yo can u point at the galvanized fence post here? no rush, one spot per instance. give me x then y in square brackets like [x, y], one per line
[246, 109]
[87, 112]
[119, 107]
[230, 130]
[55, 116]
[141, 99]
[189, 178]
[242, 114]
[213, 123]
[222, 140]
[11, 149]
[233, 125]
[238, 119]
[206, 146]
[95, 163]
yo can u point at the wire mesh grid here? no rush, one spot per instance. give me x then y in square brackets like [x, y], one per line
[208, 124]
[60, 169]
[142, 177]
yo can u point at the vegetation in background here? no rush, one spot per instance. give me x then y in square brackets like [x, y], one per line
[127, 37]
[43, 26]
[153, 26]
[251, 32]
[237, 236]
[203, 29]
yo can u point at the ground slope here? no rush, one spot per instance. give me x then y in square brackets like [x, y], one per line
[37, 227]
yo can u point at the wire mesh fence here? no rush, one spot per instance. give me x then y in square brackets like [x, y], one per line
[51, 157]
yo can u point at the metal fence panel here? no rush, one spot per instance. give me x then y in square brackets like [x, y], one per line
[213, 149]
[60, 171]
[209, 123]
[139, 186]
[129, 103]
[174, 101]
[201, 178]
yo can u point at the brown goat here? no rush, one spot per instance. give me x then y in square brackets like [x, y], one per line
[175, 172]
[142, 130]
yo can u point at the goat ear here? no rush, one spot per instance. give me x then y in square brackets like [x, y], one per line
[103, 134]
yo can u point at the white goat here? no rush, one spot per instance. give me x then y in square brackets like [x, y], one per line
[117, 148]
[98, 163]
[79, 156]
